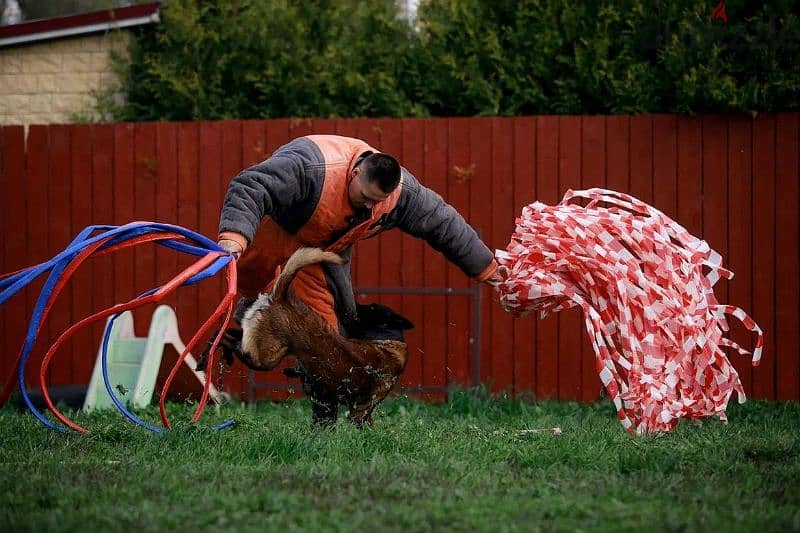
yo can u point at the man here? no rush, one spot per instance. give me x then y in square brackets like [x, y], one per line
[330, 192]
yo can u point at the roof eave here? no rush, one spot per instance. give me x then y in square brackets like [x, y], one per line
[80, 30]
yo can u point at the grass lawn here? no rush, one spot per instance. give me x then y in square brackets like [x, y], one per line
[455, 466]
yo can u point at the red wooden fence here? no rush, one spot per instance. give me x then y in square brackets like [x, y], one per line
[732, 180]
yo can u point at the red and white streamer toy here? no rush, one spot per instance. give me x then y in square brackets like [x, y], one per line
[645, 285]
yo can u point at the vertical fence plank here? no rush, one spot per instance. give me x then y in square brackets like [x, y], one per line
[169, 262]
[300, 127]
[124, 212]
[211, 291]
[166, 196]
[617, 157]
[231, 158]
[618, 148]
[123, 194]
[570, 371]
[166, 206]
[255, 150]
[209, 202]
[82, 284]
[277, 133]
[144, 200]
[324, 126]
[348, 127]
[665, 164]
[124, 191]
[38, 223]
[740, 248]
[61, 231]
[391, 250]
[231, 164]
[254, 142]
[763, 236]
[548, 349]
[480, 217]
[641, 157]
[368, 251]
[413, 266]
[102, 212]
[524, 187]
[188, 161]
[787, 263]
[593, 174]
[690, 174]
[502, 336]
[16, 209]
[715, 192]
[456, 191]
[436, 326]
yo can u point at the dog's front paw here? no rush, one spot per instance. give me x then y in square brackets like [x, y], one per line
[230, 343]
[202, 361]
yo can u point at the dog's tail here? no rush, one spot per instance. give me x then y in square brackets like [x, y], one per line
[299, 260]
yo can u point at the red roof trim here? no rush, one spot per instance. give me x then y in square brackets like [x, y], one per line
[76, 21]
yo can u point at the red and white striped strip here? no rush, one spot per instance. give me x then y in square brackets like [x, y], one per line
[645, 285]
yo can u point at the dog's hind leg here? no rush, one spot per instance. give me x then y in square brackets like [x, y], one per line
[361, 411]
[324, 404]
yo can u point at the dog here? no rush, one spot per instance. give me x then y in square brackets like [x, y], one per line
[357, 371]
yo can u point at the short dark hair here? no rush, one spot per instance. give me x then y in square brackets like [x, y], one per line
[382, 169]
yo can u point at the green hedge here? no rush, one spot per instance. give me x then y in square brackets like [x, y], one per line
[337, 58]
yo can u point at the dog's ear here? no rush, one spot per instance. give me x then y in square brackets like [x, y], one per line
[403, 323]
[383, 316]
[393, 319]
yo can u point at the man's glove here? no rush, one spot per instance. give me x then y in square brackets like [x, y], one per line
[230, 246]
[499, 276]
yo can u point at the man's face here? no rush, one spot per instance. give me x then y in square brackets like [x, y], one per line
[364, 194]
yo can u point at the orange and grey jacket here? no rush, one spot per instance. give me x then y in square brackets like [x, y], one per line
[299, 197]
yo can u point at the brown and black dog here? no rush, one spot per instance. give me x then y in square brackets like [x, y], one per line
[356, 372]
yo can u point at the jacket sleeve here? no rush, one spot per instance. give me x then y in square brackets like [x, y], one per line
[259, 191]
[422, 213]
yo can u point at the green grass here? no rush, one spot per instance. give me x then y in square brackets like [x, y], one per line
[456, 466]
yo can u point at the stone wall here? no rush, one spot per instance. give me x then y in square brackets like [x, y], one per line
[52, 82]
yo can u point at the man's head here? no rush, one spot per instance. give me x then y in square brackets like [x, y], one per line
[373, 180]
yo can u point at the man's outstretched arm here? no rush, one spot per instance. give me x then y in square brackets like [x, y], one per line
[254, 193]
[423, 213]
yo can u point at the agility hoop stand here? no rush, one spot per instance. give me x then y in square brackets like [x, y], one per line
[134, 362]
[99, 240]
